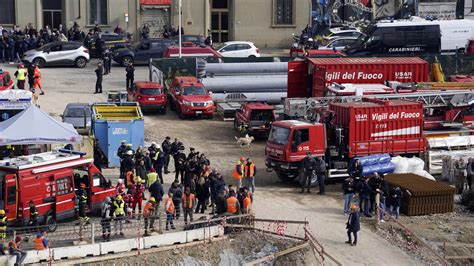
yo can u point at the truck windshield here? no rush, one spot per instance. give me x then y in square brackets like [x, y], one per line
[194, 91]
[279, 135]
[261, 115]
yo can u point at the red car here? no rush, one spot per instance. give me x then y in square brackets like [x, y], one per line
[189, 97]
[5, 80]
[149, 95]
[190, 50]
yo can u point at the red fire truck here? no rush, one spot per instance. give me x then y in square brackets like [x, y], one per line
[349, 130]
[50, 180]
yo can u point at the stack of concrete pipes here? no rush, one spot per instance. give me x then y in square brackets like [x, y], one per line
[265, 82]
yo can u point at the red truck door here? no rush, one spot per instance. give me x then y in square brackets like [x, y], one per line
[297, 79]
[11, 196]
[98, 189]
[64, 190]
[299, 144]
[319, 82]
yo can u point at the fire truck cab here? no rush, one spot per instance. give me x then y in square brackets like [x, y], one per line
[288, 143]
[50, 180]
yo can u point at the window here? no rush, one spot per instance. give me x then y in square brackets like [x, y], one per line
[56, 48]
[279, 135]
[229, 48]
[64, 185]
[7, 12]
[11, 195]
[98, 12]
[283, 12]
[243, 47]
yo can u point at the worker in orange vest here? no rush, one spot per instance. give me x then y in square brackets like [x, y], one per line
[169, 209]
[247, 205]
[233, 206]
[249, 172]
[40, 242]
[149, 215]
[188, 205]
[239, 171]
[37, 77]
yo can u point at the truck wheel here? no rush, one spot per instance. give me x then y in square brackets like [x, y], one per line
[163, 111]
[51, 223]
[284, 177]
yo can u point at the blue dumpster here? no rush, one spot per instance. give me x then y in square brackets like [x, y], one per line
[112, 123]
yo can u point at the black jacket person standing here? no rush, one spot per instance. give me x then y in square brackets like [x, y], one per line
[308, 166]
[130, 69]
[99, 72]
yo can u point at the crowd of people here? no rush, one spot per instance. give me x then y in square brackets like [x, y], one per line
[459, 172]
[196, 187]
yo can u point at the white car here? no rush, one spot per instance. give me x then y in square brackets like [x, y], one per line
[338, 43]
[342, 32]
[58, 53]
[238, 49]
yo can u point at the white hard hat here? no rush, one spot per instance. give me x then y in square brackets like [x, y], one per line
[158, 146]
[129, 152]
[153, 143]
[310, 40]
[120, 181]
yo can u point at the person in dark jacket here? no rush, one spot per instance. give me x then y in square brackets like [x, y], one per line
[221, 204]
[353, 225]
[202, 194]
[321, 172]
[121, 149]
[31, 76]
[309, 164]
[99, 72]
[348, 190]
[177, 191]
[147, 160]
[395, 199]
[375, 184]
[99, 156]
[159, 163]
[130, 76]
[179, 165]
[156, 191]
[365, 193]
[127, 165]
[166, 148]
[140, 170]
[99, 46]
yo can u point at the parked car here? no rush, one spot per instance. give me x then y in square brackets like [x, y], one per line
[191, 50]
[195, 39]
[58, 53]
[470, 47]
[238, 49]
[189, 97]
[335, 33]
[142, 51]
[254, 119]
[78, 115]
[149, 95]
[339, 43]
[112, 41]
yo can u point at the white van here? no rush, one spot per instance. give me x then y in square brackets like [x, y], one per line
[455, 33]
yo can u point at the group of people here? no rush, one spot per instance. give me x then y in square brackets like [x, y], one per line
[312, 167]
[459, 172]
[196, 187]
[33, 73]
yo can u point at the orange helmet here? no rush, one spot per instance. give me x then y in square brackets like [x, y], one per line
[242, 159]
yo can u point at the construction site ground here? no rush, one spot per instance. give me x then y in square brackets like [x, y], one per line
[273, 199]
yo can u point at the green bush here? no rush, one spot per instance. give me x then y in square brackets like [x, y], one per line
[467, 199]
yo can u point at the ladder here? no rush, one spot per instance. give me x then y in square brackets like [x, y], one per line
[299, 107]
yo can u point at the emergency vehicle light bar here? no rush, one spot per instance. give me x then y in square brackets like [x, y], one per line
[59, 166]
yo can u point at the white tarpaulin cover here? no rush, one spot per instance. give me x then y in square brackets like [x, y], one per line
[413, 165]
[33, 126]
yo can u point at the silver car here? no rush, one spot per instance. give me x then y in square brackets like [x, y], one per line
[58, 53]
[78, 115]
[339, 43]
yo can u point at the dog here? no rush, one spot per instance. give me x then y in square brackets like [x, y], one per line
[245, 141]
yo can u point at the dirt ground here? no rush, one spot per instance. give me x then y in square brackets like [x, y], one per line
[239, 248]
[215, 138]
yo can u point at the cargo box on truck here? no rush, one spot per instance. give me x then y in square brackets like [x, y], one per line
[350, 130]
[311, 77]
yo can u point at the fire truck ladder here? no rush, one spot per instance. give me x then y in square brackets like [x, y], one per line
[429, 100]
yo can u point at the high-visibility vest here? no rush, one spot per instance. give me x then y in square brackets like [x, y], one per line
[249, 171]
[169, 205]
[21, 74]
[3, 223]
[37, 73]
[236, 174]
[232, 204]
[152, 177]
[38, 244]
[186, 204]
[247, 202]
[119, 208]
[147, 210]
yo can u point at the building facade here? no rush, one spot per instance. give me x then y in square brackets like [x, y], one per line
[268, 23]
